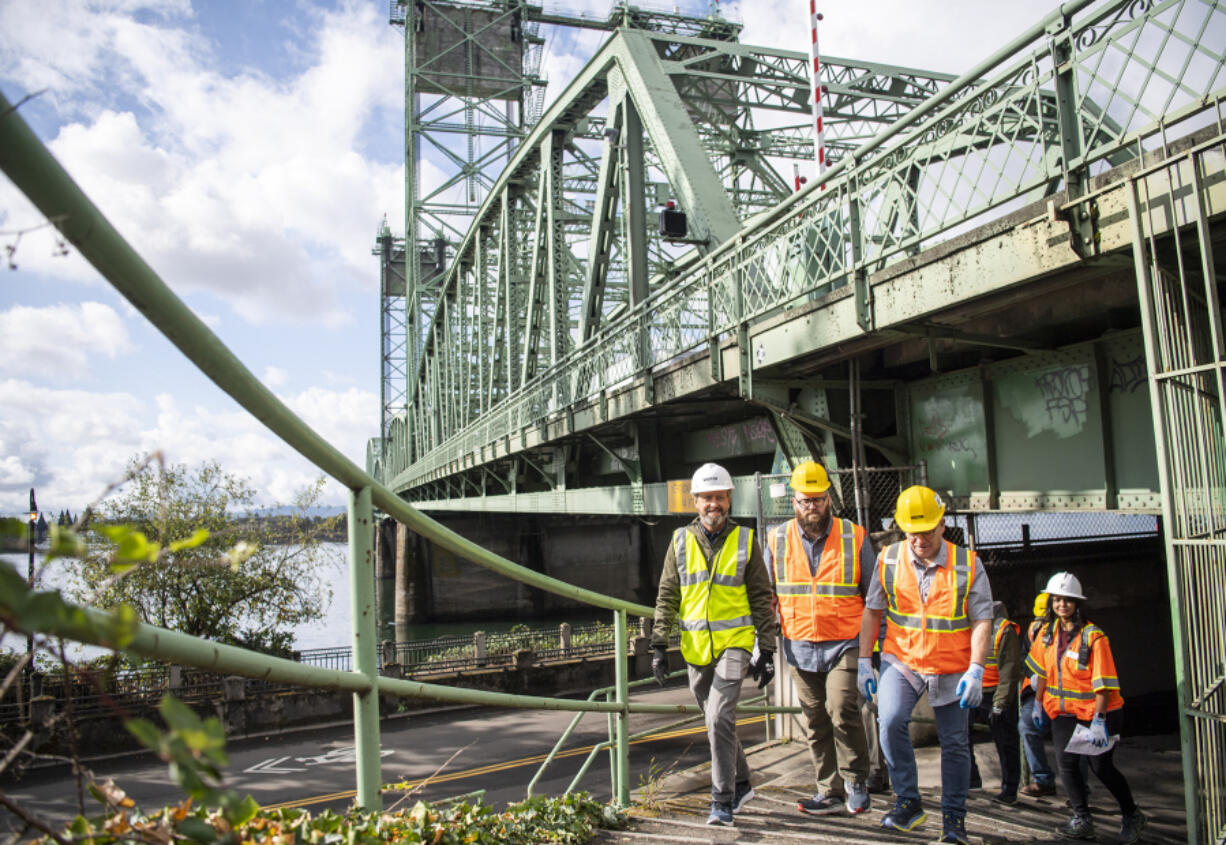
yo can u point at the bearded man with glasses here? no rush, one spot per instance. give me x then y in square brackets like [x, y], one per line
[821, 566]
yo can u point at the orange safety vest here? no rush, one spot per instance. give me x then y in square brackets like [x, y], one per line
[991, 669]
[933, 637]
[825, 606]
[1073, 678]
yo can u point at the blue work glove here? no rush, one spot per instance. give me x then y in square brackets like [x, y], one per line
[970, 688]
[659, 665]
[866, 678]
[1040, 717]
[762, 669]
[1098, 731]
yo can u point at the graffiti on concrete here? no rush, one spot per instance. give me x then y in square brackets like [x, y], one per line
[1127, 376]
[1065, 391]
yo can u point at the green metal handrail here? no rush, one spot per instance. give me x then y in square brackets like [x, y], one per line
[32, 168]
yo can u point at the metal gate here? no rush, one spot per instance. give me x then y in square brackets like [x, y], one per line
[1181, 296]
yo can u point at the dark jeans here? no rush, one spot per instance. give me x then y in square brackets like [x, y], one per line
[1103, 765]
[1004, 735]
[1032, 740]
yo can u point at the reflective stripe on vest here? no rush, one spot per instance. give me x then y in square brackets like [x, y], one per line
[1071, 683]
[714, 613]
[991, 668]
[824, 605]
[928, 642]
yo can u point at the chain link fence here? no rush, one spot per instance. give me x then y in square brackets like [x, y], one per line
[1023, 530]
[871, 504]
[866, 496]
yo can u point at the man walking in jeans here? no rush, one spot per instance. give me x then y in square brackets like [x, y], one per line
[715, 583]
[821, 566]
[938, 609]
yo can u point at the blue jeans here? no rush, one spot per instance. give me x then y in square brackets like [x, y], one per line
[896, 699]
[1032, 742]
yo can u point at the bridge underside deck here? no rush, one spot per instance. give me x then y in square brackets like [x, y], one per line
[1009, 363]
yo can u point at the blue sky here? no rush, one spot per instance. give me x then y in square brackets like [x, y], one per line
[248, 150]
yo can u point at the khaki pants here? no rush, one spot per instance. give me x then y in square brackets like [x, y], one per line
[837, 742]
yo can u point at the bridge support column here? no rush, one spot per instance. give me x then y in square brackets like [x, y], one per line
[411, 590]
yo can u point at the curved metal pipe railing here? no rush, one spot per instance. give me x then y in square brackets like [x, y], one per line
[32, 168]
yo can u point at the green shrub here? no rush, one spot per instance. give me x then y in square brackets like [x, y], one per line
[571, 820]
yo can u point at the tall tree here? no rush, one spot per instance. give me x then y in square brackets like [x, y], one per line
[249, 583]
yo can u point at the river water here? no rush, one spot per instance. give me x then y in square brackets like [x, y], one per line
[333, 630]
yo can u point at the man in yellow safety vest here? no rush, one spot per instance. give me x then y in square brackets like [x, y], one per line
[715, 584]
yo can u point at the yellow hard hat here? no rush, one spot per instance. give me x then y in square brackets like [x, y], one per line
[810, 477]
[919, 509]
[1040, 605]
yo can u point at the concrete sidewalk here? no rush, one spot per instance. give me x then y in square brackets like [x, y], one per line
[674, 809]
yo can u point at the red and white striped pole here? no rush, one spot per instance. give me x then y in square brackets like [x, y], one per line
[819, 142]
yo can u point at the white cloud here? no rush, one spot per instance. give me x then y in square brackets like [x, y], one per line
[255, 189]
[343, 418]
[70, 444]
[948, 37]
[275, 376]
[59, 342]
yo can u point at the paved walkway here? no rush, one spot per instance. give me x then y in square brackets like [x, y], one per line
[674, 809]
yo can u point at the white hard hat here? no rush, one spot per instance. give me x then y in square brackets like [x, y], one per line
[1064, 584]
[710, 478]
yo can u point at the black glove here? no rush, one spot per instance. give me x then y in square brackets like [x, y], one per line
[996, 716]
[762, 669]
[659, 664]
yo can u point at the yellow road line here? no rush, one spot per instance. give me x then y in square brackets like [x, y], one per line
[501, 767]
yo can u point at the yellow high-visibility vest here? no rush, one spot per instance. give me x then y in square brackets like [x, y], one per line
[714, 613]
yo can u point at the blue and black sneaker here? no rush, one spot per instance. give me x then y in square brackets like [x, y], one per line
[908, 814]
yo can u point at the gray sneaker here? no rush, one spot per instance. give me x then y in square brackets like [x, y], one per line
[857, 798]
[820, 805]
[743, 795]
[720, 814]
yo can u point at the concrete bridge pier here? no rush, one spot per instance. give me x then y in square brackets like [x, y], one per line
[418, 582]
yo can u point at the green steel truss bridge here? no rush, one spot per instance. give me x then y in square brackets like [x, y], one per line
[1010, 279]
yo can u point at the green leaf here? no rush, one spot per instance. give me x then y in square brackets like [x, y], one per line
[42, 611]
[185, 775]
[178, 715]
[196, 830]
[122, 626]
[96, 793]
[244, 812]
[64, 542]
[132, 547]
[80, 826]
[147, 733]
[13, 589]
[198, 537]
[10, 527]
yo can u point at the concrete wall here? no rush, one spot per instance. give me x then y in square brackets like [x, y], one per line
[269, 713]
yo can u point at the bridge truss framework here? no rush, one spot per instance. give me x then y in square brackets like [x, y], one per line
[558, 315]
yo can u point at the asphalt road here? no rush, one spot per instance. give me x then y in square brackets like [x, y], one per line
[442, 755]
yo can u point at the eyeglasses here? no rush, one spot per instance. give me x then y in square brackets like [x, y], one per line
[810, 504]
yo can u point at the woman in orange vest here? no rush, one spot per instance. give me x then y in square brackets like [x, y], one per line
[1074, 678]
